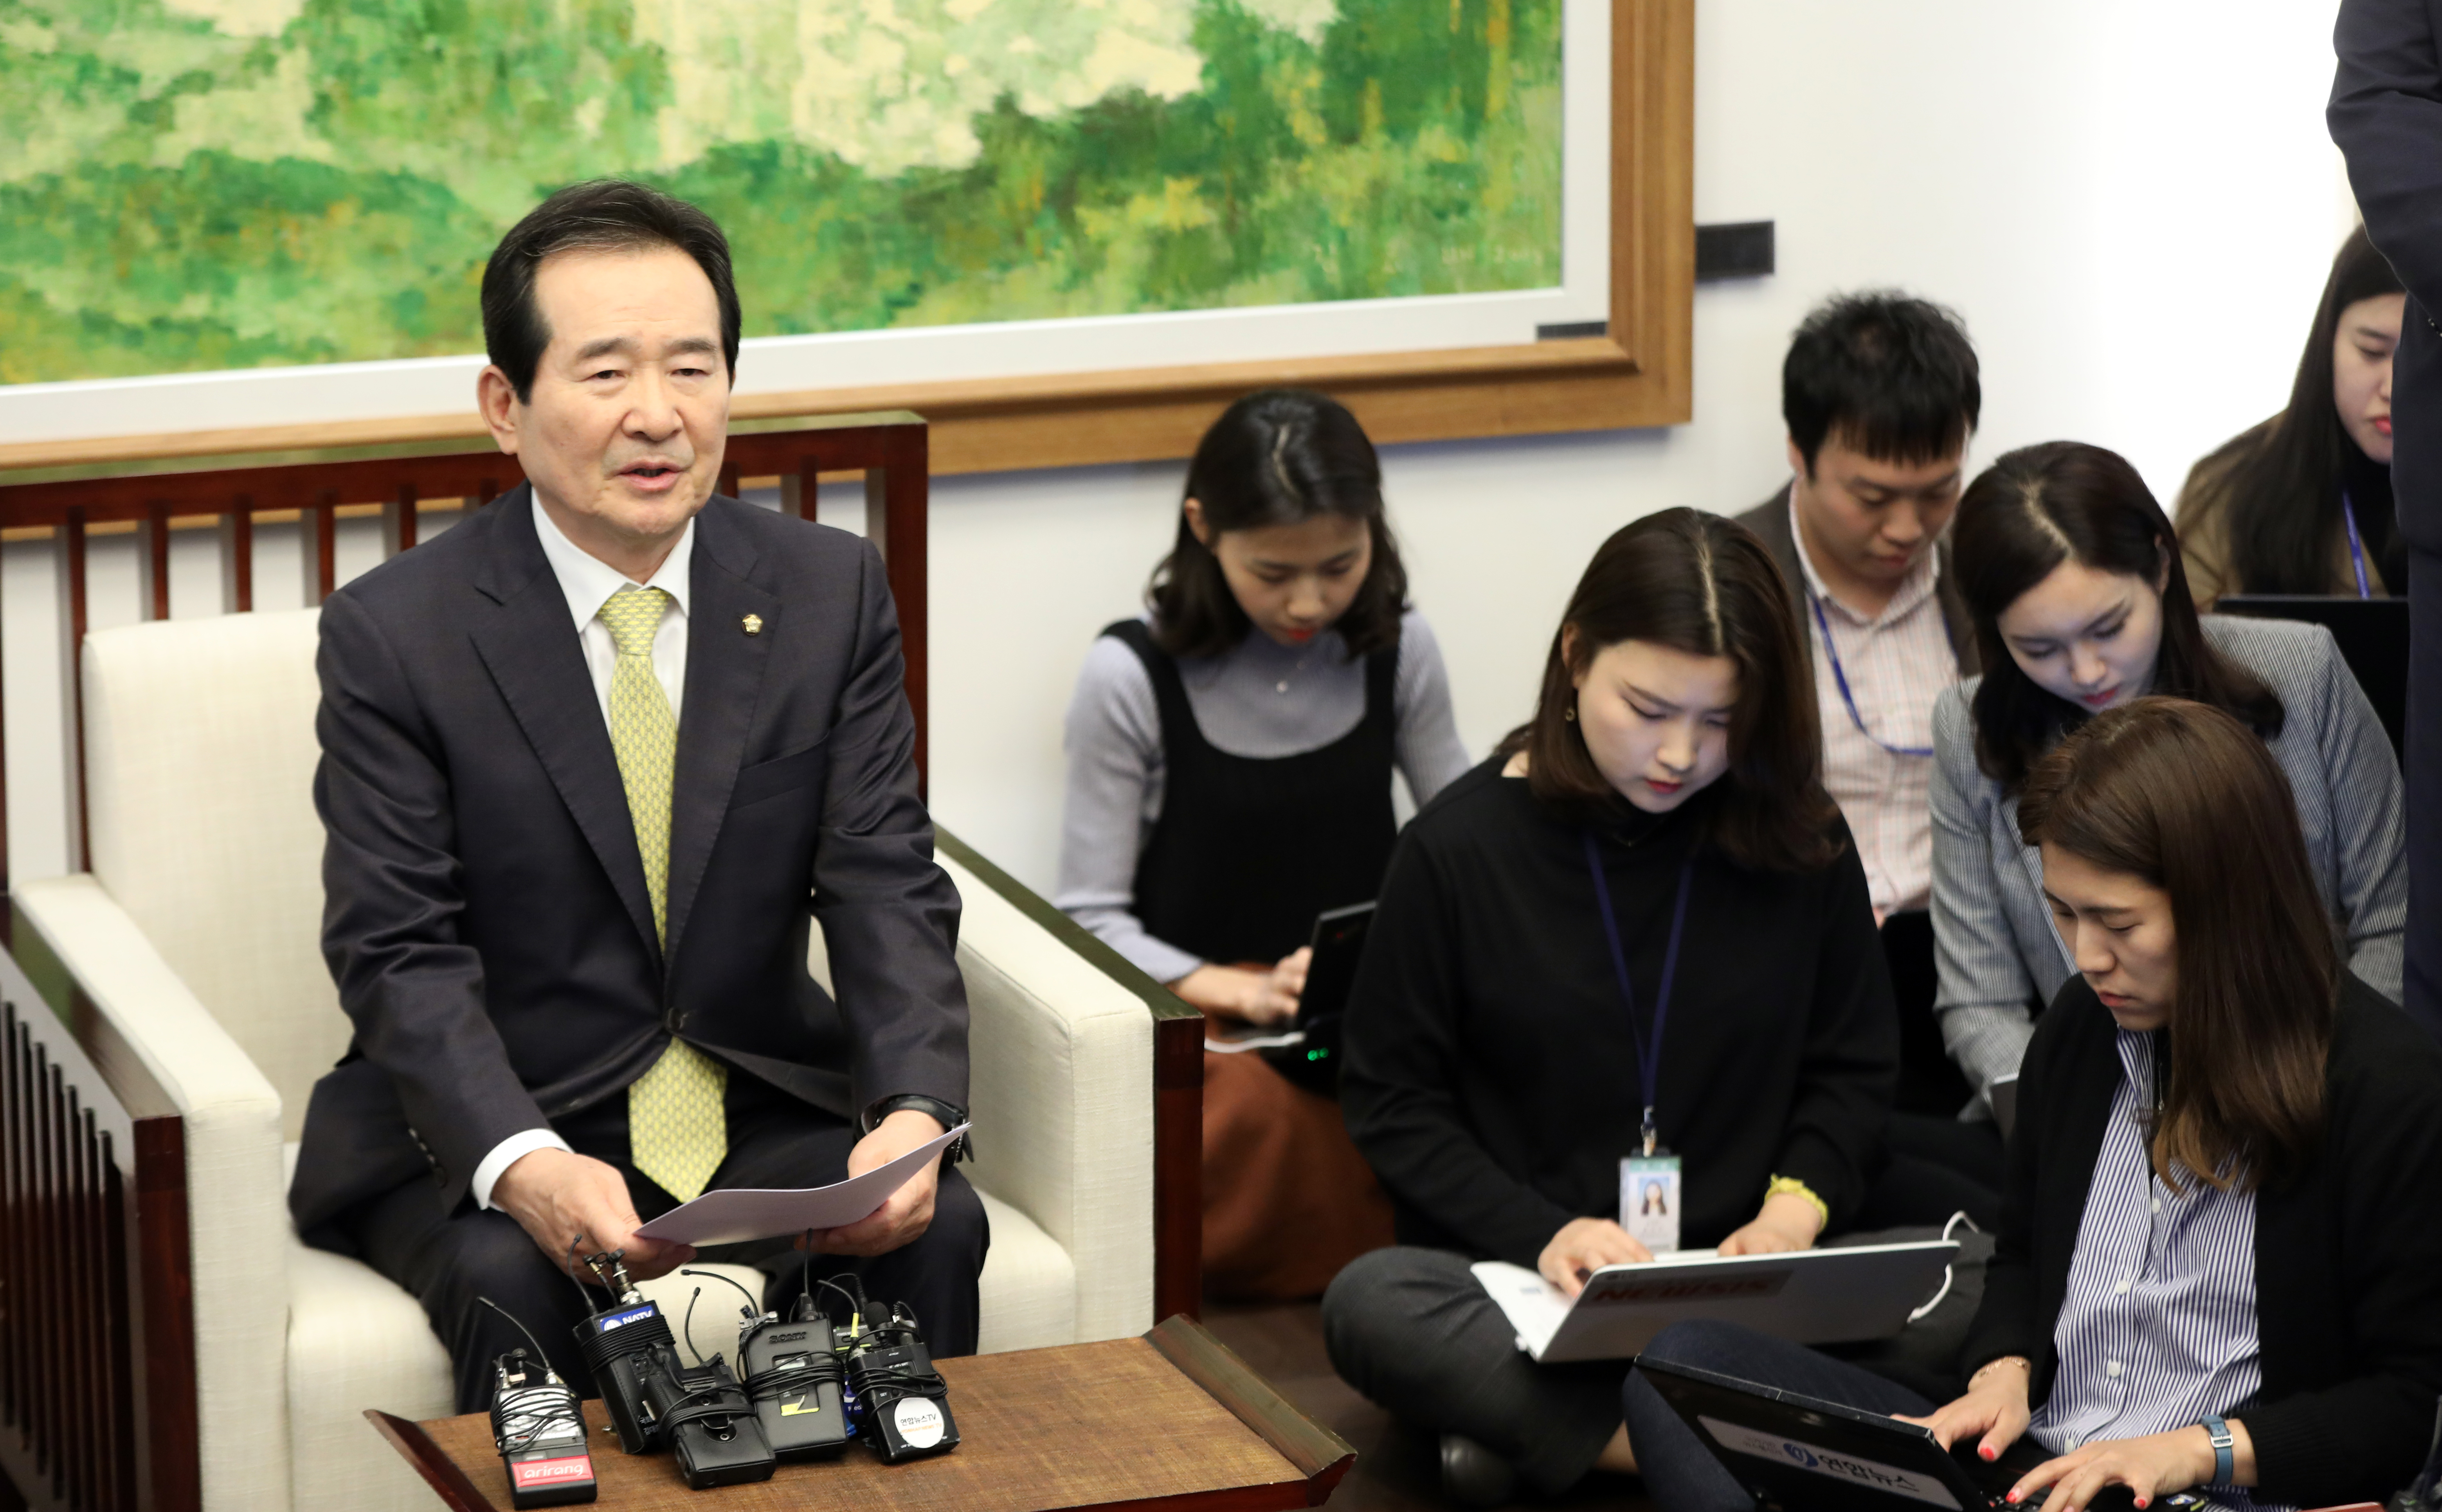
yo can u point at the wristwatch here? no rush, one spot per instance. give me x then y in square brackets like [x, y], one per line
[2218, 1430]
[949, 1114]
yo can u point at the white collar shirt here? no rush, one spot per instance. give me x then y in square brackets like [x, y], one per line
[1896, 664]
[587, 582]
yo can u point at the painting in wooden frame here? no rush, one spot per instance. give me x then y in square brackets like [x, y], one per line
[1607, 345]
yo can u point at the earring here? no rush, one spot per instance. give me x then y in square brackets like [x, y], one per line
[1569, 712]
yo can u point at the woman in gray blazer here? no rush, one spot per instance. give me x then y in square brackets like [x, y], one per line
[2072, 575]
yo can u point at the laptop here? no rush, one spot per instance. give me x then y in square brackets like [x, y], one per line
[1841, 1295]
[2003, 1091]
[1801, 1452]
[2373, 637]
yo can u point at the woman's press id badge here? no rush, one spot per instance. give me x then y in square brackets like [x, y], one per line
[1649, 1181]
[1648, 1201]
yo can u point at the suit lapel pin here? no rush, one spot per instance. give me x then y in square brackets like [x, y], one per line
[751, 625]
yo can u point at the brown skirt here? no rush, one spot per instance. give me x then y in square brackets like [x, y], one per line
[1287, 1200]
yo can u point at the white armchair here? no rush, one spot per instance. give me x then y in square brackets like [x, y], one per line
[196, 935]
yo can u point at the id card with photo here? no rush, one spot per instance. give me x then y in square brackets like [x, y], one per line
[1648, 1201]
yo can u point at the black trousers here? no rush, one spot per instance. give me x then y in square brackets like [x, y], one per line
[2423, 767]
[448, 1259]
[1415, 1331]
[1929, 1083]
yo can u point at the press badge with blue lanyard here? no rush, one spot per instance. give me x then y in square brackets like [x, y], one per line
[1650, 1191]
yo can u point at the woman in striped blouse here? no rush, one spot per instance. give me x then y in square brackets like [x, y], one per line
[2216, 1263]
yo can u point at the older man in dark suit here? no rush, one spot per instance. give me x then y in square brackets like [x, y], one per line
[2387, 115]
[592, 763]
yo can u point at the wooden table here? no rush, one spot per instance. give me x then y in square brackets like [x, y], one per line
[1173, 1418]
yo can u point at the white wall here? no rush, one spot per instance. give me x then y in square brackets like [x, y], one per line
[2131, 202]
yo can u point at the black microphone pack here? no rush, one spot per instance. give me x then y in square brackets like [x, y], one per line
[537, 1429]
[699, 1414]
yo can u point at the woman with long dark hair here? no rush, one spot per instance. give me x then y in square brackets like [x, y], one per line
[2216, 1263]
[1563, 974]
[2080, 599]
[1231, 759]
[2301, 502]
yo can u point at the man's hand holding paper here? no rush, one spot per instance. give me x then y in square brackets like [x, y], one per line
[906, 1212]
[886, 1202]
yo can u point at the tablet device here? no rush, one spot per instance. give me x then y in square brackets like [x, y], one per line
[1311, 1059]
[2371, 632]
[1338, 942]
[1833, 1296]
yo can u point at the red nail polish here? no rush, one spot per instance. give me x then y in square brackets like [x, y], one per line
[1987, 1452]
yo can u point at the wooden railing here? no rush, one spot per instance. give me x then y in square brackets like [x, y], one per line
[397, 482]
[97, 1331]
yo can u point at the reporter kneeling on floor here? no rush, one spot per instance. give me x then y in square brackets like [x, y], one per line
[2216, 1266]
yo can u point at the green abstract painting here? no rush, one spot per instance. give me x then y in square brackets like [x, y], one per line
[189, 185]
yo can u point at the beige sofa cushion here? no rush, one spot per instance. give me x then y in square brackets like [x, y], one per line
[199, 760]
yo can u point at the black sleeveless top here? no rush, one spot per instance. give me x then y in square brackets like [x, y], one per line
[1248, 850]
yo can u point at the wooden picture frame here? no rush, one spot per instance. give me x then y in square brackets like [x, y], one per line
[1636, 374]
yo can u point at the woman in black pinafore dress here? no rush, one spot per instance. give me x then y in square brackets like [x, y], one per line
[1230, 762]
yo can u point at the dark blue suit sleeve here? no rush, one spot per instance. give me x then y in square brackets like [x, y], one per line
[2386, 115]
[392, 901]
[888, 913]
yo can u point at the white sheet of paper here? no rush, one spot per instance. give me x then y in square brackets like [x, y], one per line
[737, 1215]
[1533, 1305]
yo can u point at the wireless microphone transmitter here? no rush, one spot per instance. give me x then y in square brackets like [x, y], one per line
[539, 1433]
[537, 1428]
[793, 1379]
[713, 1431]
[618, 1348]
[901, 1399]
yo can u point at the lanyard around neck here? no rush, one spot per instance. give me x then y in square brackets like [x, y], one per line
[1649, 1046]
[1840, 676]
[2356, 544]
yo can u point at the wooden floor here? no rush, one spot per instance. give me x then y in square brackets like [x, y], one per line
[1396, 1470]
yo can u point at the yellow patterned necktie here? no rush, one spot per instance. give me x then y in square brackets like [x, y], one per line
[677, 1125]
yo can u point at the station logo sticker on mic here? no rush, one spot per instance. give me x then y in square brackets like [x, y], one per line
[1828, 1463]
[542, 1472]
[919, 1421]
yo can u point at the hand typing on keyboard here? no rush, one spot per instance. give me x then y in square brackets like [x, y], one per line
[1992, 1416]
[2149, 1466]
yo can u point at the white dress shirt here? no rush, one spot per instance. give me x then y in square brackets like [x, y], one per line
[1897, 664]
[587, 582]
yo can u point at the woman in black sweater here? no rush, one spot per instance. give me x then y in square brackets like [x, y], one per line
[1498, 1068]
[2221, 1261]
